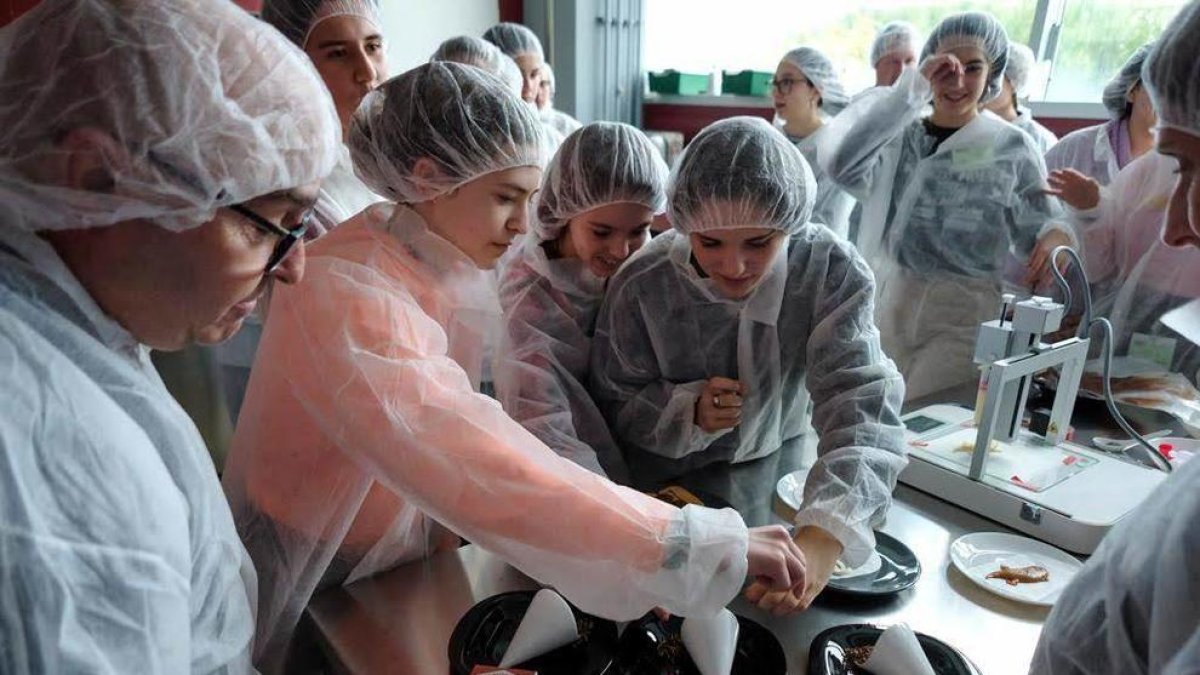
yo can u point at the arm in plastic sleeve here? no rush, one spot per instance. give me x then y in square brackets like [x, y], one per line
[852, 146]
[646, 411]
[857, 394]
[131, 614]
[1032, 213]
[532, 374]
[396, 404]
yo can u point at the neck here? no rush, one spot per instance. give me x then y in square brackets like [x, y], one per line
[1141, 136]
[805, 127]
[947, 120]
[1008, 112]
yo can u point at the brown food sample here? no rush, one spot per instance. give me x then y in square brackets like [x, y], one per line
[1034, 574]
[677, 497]
[859, 655]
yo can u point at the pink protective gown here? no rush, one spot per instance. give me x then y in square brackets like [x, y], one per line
[360, 428]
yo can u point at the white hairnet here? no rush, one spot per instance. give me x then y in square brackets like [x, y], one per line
[480, 53]
[741, 172]
[1172, 72]
[1020, 65]
[981, 28]
[468, 122]
[894, 37]
[296, 19]
[601, 163]
[205, 105]
[514, 39]
[819, 71]
[1116, 92]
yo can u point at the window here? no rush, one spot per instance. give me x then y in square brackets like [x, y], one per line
[1094, 36]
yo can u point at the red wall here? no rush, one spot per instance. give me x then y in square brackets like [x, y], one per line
[690, 119]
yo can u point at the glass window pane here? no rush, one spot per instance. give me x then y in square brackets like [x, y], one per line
[1097, 37]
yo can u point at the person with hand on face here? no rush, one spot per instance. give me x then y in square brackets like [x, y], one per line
[1013, 88]
[1135, 605]
[806, 91]
[1101, 151]
[946, 199]
[598, 197]
[711, 338]
[364, 443]
[135, 214]
[345, 42]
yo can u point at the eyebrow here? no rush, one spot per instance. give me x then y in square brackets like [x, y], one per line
[517, 188]
[338, 43]
[762, 238]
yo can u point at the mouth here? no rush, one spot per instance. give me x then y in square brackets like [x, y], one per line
[605, 266]
[955, 99]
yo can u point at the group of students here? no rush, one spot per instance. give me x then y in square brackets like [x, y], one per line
[169, 167]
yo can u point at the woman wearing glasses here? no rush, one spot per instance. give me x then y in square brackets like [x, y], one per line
[806, 92]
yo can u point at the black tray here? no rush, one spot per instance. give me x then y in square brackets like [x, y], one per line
[827, 654]
[482, 636]
[650, 646]
[899, 571]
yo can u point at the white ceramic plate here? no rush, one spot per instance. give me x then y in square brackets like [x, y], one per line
[978, 554]
[790, 489]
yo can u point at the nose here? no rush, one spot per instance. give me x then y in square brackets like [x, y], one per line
[291, 270]
[1179, 230]
[733, 265]
[519, 222]
[619, 250]
[365, 71]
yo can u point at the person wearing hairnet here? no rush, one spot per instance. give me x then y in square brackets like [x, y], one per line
[345, 42]
[1100, 151]
[480, 53]
[135, 215]
[551, 116]
[946, 198]
[364, 443]
[1013, 89]
[893, 49]
[1135, 605]
[598, 198]
[524, 47]
[711, 338]
[806, 91]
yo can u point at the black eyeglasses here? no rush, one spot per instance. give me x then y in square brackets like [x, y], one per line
[288, 238]
[784, 86]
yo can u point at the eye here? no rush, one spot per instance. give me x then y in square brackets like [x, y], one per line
[640, 232]
[336, 53]
[601, 232]
[374, 46]
[505, 199]
[710, 243]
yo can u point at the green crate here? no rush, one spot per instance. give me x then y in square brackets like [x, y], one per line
[675, 82]
[746, 83]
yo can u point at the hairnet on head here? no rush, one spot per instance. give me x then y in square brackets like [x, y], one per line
[296, 19]
[514, 39]
[819, 71]
[1116, 92]
[1172, 72]
[480, 53]
[982, 29]
[548, 78]
[465, 120]
[1020, 66]
[740, 172]
[602, 163]
[895, 36]
[205, 105]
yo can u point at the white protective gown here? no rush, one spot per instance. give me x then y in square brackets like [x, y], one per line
[664, 331]
[118, 551]
[833, 204]
[1043, 138]
[550, 309]
[1090, 151]
[938, 225]
[363, 440]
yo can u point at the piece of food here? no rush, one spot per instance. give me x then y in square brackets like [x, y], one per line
[1033, 574]
[677, 496]
[859, 656]
[969, 446]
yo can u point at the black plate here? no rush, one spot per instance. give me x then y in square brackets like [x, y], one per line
[900, 570]
[650, 646]
[482, 636]
[827, 654]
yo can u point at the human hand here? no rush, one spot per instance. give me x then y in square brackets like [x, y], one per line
[821, 551]
[1074, 188]
[942, 66]
[1037, 272]
[774, 560]
[719, 406]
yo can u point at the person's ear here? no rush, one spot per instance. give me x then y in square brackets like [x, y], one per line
[92, 158]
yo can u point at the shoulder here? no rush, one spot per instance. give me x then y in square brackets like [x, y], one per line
[647, 267]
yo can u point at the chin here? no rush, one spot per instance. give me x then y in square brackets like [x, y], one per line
[218, 332]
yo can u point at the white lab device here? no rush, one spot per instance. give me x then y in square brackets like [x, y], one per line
[1045, 486]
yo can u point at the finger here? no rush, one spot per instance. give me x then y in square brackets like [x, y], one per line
[1053, 192]
[789, 603]
[756, 591]
[662, 614]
